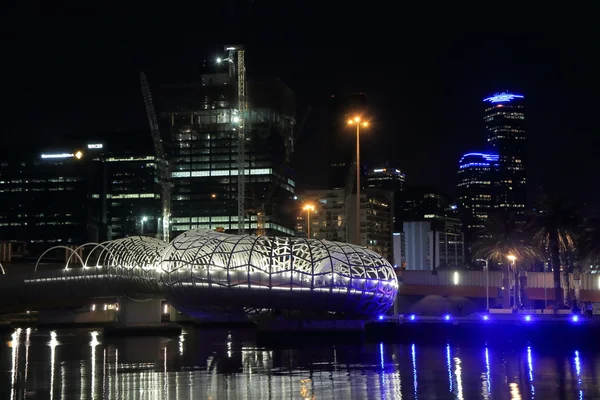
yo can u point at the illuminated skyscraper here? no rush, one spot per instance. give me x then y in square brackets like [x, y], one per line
[202, 118]
[505, 127]
[391, 179]
[477, 174]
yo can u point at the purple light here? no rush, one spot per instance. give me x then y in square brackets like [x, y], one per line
[528, 318]
[380, 317]
[485, 156]
[503, 97]
[575, 318]
[486, 317]
[412, 317]
[447, 317]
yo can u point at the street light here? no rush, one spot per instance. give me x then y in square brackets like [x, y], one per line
[144, 219]
[308, 208]
[210, 210]
[357, 121]
[512, 260]
[487, 283]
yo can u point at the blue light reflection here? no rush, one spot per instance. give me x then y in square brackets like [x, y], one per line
[449, 366]
[488, 371]
[414, 363]
[530, 367]
[577, 364]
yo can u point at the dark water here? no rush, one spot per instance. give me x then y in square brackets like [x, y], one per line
[216, 364]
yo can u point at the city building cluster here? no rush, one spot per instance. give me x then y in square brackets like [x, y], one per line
[110, 186]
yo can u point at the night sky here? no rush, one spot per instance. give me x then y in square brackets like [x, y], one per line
[74, 68]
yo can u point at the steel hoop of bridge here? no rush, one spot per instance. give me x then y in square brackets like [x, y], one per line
[54, 248]
[207, 270]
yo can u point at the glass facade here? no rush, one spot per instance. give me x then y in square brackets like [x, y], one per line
[204, 164]
[505, 126]
[334, 214]
[391, 179]
[477, 174]
[44, 200]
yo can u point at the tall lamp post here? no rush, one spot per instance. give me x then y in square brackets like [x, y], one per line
[357, 121]
[308, 208]
[487, 283]
[144, 219]
[512, 260]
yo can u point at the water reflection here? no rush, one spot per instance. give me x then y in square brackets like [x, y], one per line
[530, 367]
[229, 365]
[487, 384]
[14, 345]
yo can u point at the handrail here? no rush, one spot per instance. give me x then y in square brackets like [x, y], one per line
[54, 248]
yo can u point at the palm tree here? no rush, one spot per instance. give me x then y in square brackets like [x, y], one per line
[554, 226]
[503, 236]
[589, 241]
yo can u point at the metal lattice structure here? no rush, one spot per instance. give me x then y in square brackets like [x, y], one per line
[203, 269]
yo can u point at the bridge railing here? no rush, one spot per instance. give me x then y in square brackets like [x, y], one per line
[495, 279]
[448, 278]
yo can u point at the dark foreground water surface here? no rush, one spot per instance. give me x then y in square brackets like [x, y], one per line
[221, 364]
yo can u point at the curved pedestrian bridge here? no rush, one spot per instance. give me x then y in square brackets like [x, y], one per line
[203, 269]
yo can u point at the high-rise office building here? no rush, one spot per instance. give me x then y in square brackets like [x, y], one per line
[477, 174]
[334, 213]
[341, 143]
[385, 178]
[43, 198]
[203, 122]
[505, 126]
[495, 179]
[429, 248]
[125, 185]
[79, 191]
[421, 204]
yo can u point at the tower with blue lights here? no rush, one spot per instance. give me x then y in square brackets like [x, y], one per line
[477, 175]
[504, 119]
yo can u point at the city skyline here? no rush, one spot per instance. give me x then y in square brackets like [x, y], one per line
[192, 193]
[425, 109]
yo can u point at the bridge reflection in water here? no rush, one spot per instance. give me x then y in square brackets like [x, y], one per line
[229, 365]
[203, 269]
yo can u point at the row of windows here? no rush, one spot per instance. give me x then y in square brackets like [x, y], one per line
[226, 172]
[39, 223]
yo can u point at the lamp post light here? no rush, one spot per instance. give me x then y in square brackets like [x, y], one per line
[357, 121]
[545, 285]
[213, 196]
[144, 219]
[308, 208]
[487, 283]
[512, 260]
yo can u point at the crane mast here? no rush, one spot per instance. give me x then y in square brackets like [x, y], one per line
[161, 161]
[238, 51]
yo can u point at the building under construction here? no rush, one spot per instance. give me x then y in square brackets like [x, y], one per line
[204, 120]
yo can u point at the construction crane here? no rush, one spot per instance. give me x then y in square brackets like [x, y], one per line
[241, 158]
[161, 161]
[237, 68]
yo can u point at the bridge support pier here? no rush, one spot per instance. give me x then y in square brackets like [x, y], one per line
[141, 318]
[133, 312]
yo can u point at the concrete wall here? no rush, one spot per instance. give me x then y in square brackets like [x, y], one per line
[76, 317]
[140, 312]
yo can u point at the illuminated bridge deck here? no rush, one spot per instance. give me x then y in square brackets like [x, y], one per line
[202, 269]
